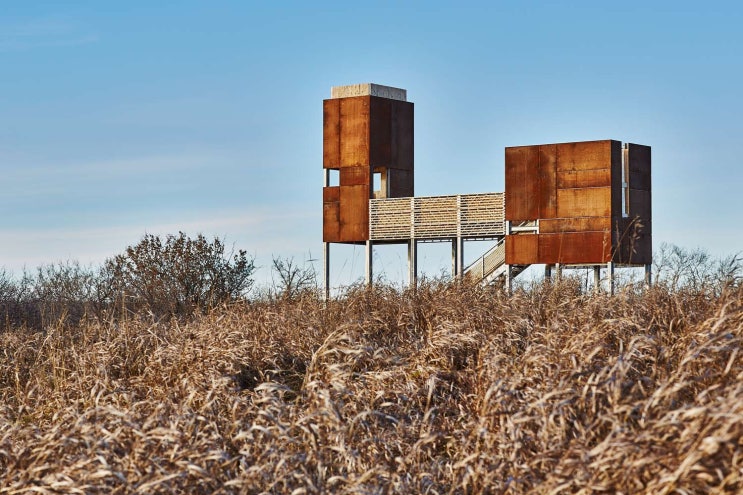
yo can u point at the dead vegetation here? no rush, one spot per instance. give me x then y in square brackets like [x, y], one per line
[448, 389]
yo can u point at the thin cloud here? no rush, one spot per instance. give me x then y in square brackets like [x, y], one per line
[44, 180]
[258, 231]
[43, 33]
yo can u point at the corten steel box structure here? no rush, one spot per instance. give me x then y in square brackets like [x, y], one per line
[591, 200]
[364, 134]
[565, 205]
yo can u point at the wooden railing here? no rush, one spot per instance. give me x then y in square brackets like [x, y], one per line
[470, 216]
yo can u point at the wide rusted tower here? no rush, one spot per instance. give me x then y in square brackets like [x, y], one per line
[589, 201]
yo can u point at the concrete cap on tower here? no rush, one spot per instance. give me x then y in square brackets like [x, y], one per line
[368, 89]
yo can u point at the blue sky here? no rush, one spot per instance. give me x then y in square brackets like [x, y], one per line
[120, 118]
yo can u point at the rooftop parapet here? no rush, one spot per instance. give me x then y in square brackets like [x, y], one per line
[368, 89]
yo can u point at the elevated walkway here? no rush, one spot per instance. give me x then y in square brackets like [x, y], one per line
[447, 218]
[465, 216]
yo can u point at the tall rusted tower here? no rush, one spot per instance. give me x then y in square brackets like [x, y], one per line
[368, 139]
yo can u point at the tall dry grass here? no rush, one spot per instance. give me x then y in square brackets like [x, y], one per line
[447, 389]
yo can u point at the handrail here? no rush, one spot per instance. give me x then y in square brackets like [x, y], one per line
[486, 264]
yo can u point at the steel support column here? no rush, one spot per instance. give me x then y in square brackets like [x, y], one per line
[648, 275]
[326, 246]
[460, 258]
[369, 268]
[412, 263]
[326, 269]
[454, 258]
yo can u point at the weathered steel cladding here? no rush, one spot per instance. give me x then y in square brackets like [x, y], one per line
[578, 224]
[575, 247]
[354, 213]
[567, 248]
[331, 194]
[547, 171]
[331, 221]
[354, 128]
[522, 249]
[391, 134]
[567, 179]
[575, 190]
[355, 176]
[632, 235]
[400, 183]
[639, 167]
[584, 202]
[331, 133]
[522, 190]
[369, 131]
[401, 139]
[331, 213]
[633, 241]
[361, 134]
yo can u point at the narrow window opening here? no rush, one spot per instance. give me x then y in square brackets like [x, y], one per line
[334, 177]
[379, 183]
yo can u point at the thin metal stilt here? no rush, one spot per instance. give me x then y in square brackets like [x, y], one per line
[412, 263]
[369, 268]
[326, 269]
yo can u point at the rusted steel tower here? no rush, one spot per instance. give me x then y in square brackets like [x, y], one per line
[566, 205]
[586, 203]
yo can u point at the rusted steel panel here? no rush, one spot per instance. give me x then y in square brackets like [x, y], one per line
[331, 137]
[632, 239]
[584, 202]
[402, 139]
[522, 184]
[639, 204]
[331, 194]
[522, 249]
[354, 130]
[632, 236]
[589, 155]
[331, 222]
[579, 224]
[568, 179]
[547, 181]
[354, 213]
[639, 167]
[400, 183]
[629, 227]
[635, 251]
[380, 144]
[355, 176]
[578, 247]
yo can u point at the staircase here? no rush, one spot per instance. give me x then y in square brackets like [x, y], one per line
[491, 266]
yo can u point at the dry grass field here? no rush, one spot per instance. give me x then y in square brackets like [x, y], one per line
[448, 389]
